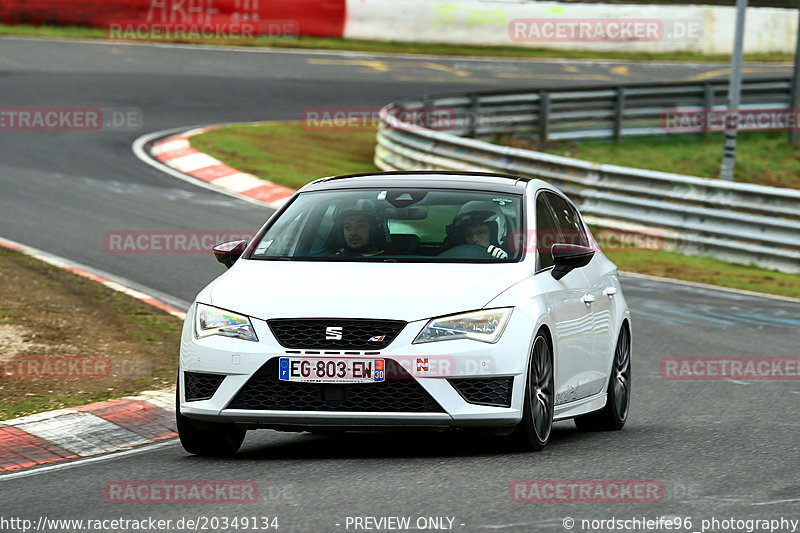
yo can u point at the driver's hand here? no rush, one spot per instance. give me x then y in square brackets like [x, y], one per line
[497, 253]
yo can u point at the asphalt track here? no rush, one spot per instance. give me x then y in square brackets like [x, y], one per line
[720, 448]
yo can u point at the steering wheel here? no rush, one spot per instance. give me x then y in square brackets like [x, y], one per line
[466, 251]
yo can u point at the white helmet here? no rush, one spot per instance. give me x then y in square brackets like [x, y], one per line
[480, 212]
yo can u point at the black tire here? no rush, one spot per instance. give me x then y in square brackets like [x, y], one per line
[211, 439]
[612, 417]
[533, 431]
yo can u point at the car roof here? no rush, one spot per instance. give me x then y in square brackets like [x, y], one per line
[484, 181]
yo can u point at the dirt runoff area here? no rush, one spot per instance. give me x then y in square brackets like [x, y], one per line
[66, 340]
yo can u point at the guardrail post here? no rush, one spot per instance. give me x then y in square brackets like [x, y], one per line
[619, 108]
[544, 116]
[708, 104]
[426, 112]
[794, 98]
[472, 119]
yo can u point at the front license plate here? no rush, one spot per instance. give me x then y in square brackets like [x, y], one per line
[310, 370]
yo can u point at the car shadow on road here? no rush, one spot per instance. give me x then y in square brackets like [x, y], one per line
[398, 444]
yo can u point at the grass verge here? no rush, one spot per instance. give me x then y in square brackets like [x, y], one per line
[328, 43]
[47, 314]
[290, 154]
[764, 158]
[705, 270]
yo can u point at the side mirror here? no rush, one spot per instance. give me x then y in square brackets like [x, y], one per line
[568, 257]
[228, 252]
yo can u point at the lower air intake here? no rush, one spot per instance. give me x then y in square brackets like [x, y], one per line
[201, 386]
[494, 392]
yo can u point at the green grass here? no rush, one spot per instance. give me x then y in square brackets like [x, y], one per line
[765, 158]
[705, 270]
[53, 32]
[326, 43]
[38, 404]
[290, 153]
[106, 323]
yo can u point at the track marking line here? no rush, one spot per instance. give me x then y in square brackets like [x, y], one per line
[376, 66]
[80, 462]
[109, 280]
[444, 68]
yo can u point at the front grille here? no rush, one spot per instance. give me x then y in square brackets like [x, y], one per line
[400, 393]
[356, 334]
[485, 391]
[201, 386]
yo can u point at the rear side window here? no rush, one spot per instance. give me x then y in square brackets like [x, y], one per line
[546, 232]
[569, 222]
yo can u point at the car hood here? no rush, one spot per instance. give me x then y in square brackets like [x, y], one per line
[400, 291]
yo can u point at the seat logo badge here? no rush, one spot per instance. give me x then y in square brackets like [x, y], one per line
[377, 338]
[333, 333]
[422, 365]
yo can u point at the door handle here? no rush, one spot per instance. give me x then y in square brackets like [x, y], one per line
[610, 291]
[587, 299]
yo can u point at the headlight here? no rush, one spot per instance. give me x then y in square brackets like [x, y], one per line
[212, 321]
[484, 326]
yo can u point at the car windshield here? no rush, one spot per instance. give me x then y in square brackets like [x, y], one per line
[397, 225]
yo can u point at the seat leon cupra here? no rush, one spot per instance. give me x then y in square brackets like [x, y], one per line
[408, 300]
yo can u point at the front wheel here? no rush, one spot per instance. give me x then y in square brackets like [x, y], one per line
[211, 439]
[618, 400]
[533, 431]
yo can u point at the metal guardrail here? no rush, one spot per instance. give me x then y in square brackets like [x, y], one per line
[737, 222]
[591, 113]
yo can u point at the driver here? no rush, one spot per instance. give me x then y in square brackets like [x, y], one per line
[360, 233]
[482, 224]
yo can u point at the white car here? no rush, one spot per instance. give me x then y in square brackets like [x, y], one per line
[408, 299]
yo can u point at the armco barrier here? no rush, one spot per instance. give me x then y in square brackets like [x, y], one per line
[592, 112]
[736, 222]
[309, 17]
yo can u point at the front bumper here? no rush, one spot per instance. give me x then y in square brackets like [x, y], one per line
[237, 362]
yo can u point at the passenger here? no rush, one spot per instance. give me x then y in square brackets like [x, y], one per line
[360, 234]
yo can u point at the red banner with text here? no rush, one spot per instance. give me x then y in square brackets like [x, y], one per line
[140, 19]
